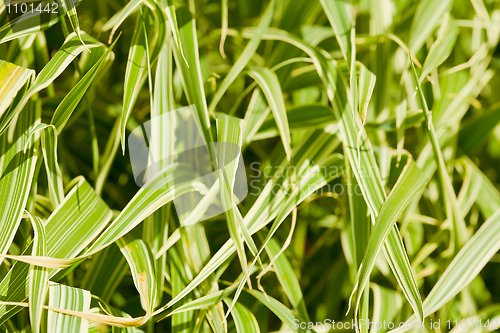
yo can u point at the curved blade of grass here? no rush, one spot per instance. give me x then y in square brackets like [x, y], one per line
[17, 168]
[159, 31]
[488, 198]
[338, 96]
[69, 7]
[269, 83]
[54, 178]
[341, 16]
[442, 47]
[71, 48]
[174, 27]
[191, 69]
[144, 203]
[224, 27]
[403, 191]
[287, 279]
[244, 320]
[460, 232]
[39, 277]
[163, 101]
[227, 157]
[181, 322]
[116, 21]
[386, 305]
[245, 56]
[49, 150]
[142, 264]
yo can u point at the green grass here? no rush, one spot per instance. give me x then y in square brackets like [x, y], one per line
[370, 139]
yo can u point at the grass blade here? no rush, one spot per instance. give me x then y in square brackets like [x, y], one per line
[141, 262]
[191, 69]
[341, 16]
[427, 17]
[228, 151]
[135, 75]
[268, 82]
[64, 297]
[287, 279]
[116, 21]
[245, 56]
[49, 149]
[39, 278]
[408, 184]
[442, 47]
[281, 311]
[449, 197]
[70, 102]
[70, 228]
